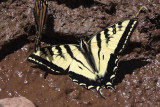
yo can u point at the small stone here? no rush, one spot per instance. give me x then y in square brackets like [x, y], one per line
[16, 102]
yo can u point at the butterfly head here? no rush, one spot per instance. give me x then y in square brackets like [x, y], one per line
[100, 81]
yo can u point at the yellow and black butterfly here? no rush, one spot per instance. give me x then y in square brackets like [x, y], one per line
[91, 64]
[40, 13]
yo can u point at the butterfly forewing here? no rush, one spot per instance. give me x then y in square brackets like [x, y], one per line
[107, 44]
[56, 58]
[40, 13]
[114, 37]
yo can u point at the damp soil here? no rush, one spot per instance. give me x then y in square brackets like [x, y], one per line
[137, 80]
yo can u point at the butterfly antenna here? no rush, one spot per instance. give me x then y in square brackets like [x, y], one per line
[141, 10]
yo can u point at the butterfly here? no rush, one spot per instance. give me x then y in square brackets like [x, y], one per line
[92, 64]
[40, 14]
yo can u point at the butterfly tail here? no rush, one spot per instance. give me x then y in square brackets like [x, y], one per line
[110, 85]
[98, 89]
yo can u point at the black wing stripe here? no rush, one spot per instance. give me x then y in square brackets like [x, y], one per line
[106, 35]
[43, 51]
[59, 51]
[110, 67]
[98, 44]
[68, 49]
[126, 34]
[120, 26]
[82, 79]
[114, 29]
[72, 56]
[46, 63]
[50, 50]
[82, 64]
[99, 47]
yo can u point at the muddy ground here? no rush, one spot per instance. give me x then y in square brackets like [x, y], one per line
[137, 81]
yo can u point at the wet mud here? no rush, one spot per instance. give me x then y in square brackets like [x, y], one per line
[137, 80]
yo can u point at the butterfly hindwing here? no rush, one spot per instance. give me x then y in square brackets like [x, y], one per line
[56, 58]
[81, 72]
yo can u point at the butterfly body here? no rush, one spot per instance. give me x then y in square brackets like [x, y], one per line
[91, 64]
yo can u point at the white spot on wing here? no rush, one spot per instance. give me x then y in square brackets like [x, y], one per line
[112, 76]
[91, 86]
[74, 80]
[82, 84]
[108, 83]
